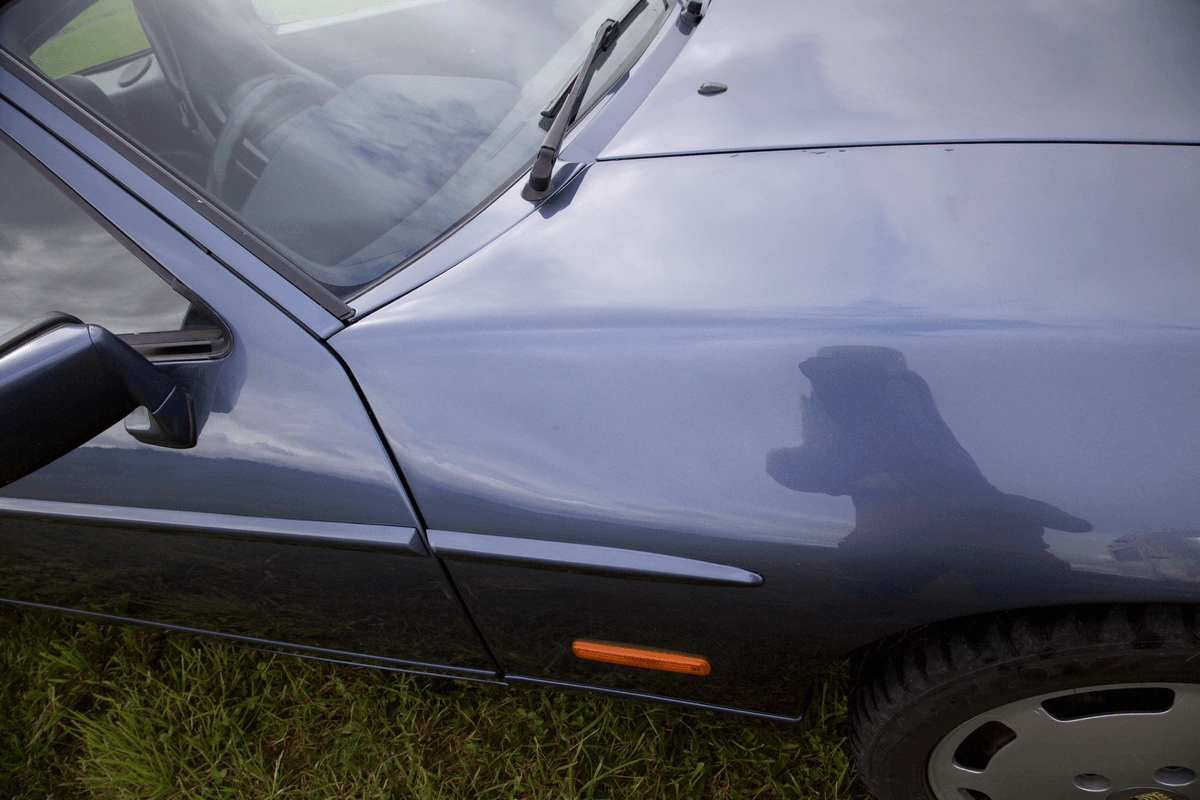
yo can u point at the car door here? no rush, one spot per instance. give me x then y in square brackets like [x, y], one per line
[286, 525]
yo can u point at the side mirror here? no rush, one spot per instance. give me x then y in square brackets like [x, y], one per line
[63, 382]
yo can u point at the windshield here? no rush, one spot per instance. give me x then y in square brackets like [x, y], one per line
[348, 134]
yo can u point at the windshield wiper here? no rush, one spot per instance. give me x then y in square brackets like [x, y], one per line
[539, 177]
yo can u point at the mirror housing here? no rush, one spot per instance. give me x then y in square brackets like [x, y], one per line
[63, 382]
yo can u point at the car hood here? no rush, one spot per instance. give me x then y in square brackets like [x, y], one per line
[853, 72]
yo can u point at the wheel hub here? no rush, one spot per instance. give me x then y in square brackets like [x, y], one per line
[1119, 742]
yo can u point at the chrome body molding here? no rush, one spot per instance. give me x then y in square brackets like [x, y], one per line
[339, 535]
[616, 562]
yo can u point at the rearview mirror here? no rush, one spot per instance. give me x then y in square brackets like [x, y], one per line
[62, 382]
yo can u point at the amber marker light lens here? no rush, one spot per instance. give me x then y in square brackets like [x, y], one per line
[640, 657]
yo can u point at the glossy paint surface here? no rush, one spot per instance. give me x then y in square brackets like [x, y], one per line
[283, 436]
[834, 72]
[997, 346]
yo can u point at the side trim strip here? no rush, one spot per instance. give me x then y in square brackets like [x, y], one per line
[340, 535]
[657, 698]
[592, 559]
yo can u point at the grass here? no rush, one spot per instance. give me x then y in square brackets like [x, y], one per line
[105, 31]
[93, 710]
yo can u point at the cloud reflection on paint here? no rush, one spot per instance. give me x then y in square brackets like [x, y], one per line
[841, 72]
[1021, 232]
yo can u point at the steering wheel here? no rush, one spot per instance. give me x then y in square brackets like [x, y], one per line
[265, 104]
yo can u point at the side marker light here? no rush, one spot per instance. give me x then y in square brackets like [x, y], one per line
[640, 657]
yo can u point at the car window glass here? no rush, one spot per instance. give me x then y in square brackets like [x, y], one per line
[55, 257]
[277, 12]
[103, 32]
[350, 135]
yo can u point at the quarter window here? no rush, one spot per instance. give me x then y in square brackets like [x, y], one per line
[55, 257]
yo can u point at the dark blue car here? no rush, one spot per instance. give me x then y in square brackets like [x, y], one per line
[669, 350]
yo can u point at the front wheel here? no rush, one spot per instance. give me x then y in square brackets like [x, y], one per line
[1099, 703]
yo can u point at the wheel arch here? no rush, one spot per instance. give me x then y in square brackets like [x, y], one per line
[1142, 617]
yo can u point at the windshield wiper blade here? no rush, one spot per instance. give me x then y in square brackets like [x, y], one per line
[539, 177]
[556, 103]
[550, 111]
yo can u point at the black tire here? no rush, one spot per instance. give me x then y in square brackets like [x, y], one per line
[992, 708]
